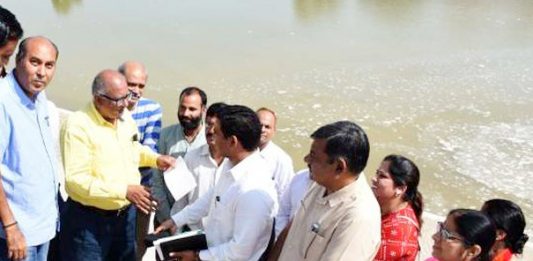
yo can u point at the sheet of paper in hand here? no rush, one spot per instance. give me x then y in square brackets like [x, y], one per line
[179, 180]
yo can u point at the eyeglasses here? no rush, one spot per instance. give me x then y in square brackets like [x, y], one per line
[117, 101]
[445, 234]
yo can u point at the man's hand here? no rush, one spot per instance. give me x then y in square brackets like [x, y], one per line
[165, 162]
[166, 225]
[187, 255]
[141, 198]
[16, 243]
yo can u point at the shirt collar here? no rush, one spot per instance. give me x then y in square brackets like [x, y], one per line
[199, 134]
[348, 193]
[267, 146]
[26, 101]
[205, 150]
[243, 167]
[95, 114]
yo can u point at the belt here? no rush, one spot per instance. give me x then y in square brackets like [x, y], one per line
[108, 213]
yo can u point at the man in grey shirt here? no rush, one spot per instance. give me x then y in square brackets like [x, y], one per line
[176, 140]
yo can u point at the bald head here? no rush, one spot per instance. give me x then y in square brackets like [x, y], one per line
[267, 118]
[136, 77]
[36, 64]
[35, 41]
[110, 94]
[132, 67]
[108, 80]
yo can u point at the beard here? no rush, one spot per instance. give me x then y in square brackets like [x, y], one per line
[190, 124]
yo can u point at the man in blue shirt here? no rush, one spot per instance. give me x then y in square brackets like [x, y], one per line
[145, 112]
[147, 116]
[28, 195]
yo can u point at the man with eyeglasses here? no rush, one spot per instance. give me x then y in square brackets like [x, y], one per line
[147, 116]
[102, 154]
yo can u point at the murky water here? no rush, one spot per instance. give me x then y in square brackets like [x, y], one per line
[447, 83]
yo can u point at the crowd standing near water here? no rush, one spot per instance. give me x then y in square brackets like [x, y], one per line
[247, 199]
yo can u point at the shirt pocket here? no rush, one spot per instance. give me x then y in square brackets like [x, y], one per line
[221, 209]
[315, 248]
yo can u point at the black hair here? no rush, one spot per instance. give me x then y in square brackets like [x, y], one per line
[404, 172]
[10, 28]
[194, 90]
[345, 139]
[508, 217]
[241, 122]
[214, 109]
[476, 228]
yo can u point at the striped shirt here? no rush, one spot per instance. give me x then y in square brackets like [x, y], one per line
[147, 115]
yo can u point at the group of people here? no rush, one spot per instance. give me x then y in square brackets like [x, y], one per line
[248, 200]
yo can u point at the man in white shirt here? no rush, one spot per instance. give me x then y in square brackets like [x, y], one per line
[279, 162]
[292, 199]
[243, 204]
[205, 162]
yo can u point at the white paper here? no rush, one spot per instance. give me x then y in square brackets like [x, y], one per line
[179, 180]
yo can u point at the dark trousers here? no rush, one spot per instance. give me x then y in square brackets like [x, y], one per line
[143, 221]
[91, 235]
[53, 250]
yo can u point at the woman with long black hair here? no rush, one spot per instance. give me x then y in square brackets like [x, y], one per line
[395, 186]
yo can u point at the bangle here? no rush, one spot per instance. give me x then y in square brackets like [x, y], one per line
[9, 225]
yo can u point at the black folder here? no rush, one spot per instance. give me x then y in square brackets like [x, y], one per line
[192, 240]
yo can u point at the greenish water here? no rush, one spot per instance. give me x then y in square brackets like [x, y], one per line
[446, 83]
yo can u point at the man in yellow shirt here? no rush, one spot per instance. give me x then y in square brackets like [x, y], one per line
[102, 154]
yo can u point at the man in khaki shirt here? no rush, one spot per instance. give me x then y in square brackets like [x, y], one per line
[339, 218]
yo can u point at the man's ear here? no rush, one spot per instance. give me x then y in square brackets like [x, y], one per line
[234, 141]
[342, 166]
[204, 111]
